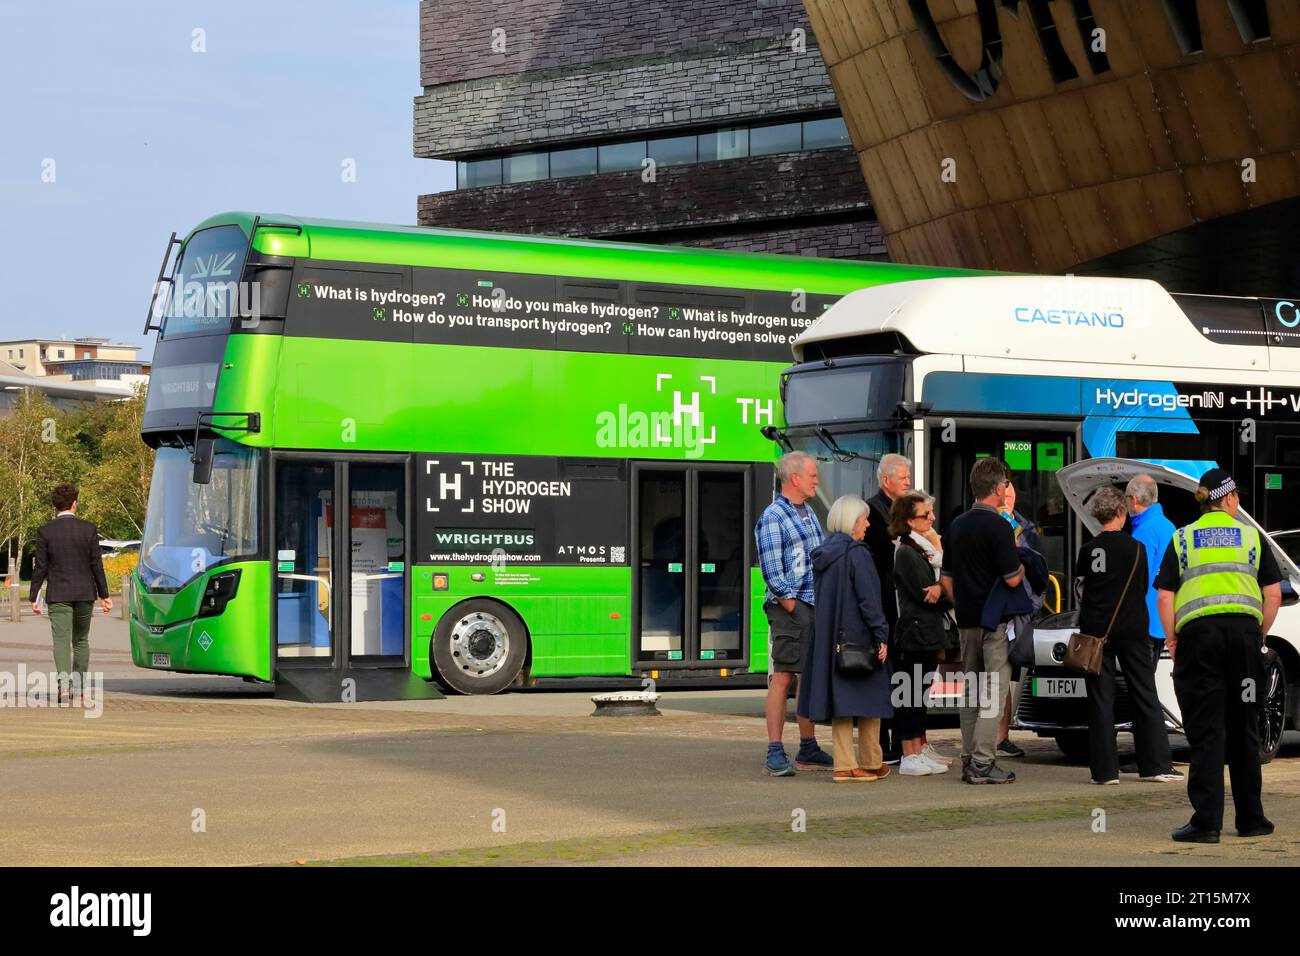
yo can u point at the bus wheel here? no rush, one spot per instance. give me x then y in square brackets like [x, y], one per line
[1272, 706]
[479, 647]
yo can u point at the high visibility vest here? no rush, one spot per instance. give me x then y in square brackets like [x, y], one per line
[1218, 566]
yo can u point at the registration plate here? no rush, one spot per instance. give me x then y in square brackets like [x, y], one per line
[1060, 687]
[160, 660]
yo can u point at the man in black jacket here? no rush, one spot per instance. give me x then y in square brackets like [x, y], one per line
[895, 476]
[68, 557]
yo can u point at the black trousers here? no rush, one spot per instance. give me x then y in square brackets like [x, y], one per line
[909, 720]
[1216, 662]
[1149, 734]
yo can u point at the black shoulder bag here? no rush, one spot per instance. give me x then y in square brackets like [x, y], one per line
[852, 658]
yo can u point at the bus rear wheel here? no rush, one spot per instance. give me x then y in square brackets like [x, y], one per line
[479, 647]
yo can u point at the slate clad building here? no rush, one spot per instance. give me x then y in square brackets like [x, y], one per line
[1154, 139]
[694, 122]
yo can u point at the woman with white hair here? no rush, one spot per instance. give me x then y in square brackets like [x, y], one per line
[849, 625]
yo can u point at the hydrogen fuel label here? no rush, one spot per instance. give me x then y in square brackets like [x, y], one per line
[503, 509]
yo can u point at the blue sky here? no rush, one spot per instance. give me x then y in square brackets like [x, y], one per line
[148, 136]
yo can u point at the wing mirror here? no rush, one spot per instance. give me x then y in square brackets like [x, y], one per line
[202, 459]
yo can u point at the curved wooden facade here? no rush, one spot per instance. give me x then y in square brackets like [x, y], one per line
[1042, 135]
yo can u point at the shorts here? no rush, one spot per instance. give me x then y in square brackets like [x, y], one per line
[788, 635]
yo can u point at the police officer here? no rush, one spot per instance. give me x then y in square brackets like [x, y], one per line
[1220, 589]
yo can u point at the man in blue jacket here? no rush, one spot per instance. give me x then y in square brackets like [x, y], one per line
[1154, 532]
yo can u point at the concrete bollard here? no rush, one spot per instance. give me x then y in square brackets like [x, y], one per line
[633, 704]
[15, 597]
[125, 610]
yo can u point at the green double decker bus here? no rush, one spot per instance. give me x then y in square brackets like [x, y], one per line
[399, 455]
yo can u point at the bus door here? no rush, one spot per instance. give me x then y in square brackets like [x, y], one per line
[692, 549]
[341, 576]
[1034, 455]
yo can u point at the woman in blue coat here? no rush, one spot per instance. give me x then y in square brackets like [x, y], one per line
[847, 592]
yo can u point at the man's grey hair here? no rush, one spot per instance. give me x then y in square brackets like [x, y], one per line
[789, 464]
[844, 514]
[890, 464]
[1144, 489]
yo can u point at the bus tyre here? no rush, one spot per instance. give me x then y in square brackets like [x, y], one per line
[479, 647]
[1272, 706]
[1074, 744]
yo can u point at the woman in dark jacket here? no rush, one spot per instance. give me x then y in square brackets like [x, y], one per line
[1113, 579]
[848, 603]
[924, 630]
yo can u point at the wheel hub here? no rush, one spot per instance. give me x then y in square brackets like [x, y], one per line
[480, 644]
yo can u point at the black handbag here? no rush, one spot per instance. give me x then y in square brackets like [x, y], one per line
[855, 660]
[852, 659]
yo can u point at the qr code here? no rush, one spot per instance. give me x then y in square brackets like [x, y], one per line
[616, 554]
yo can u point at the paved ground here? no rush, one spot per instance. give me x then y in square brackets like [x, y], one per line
[435, 782]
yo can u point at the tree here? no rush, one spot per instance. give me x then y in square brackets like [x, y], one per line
[34, 457]
[115, 490]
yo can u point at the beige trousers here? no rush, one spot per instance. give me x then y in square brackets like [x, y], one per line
[868, 743]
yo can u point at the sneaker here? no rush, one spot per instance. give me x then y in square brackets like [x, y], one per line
[1167, 776]
[778, 765]
[1008, 749]
[937, 766]
[1106, 783]
[814, 760]
[915, 766]
[934, 756]
[990, 774]
[893, 760]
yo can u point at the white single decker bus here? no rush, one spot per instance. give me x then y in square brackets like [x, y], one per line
[1046, 372]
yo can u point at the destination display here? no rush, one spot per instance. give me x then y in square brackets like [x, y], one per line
[512, 310]
[520, 509]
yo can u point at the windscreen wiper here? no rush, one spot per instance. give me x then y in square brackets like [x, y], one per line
[839, 453]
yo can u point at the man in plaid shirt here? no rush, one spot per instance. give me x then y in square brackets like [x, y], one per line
[786, 533]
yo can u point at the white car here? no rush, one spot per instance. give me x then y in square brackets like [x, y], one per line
[1052, 700]
[110, 548]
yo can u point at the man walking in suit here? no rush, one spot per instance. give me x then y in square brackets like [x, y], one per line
[68, 557]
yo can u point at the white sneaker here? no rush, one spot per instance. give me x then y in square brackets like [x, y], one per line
[935, 765]
[1169, 776]
[934, 756]
[916, 766]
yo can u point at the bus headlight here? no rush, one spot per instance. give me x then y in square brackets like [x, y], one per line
[221, 588]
